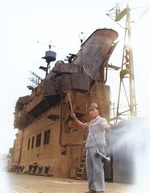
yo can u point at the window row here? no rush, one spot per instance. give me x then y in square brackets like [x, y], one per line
[38, 140]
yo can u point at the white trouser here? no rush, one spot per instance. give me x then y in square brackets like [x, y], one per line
[95, 170]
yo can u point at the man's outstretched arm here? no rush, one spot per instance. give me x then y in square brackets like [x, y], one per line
[79, 123]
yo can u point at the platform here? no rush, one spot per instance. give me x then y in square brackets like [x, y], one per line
[23, 183]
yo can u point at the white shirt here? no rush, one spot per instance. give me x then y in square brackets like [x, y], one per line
[96, 135]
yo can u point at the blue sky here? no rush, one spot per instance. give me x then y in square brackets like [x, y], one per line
[24, 22]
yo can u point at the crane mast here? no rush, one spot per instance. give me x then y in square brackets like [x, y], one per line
[127, 68]
[127, 72]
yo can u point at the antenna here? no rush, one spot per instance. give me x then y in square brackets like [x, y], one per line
[49, 57]
[35, 79]
[82, 37]
[49, 45]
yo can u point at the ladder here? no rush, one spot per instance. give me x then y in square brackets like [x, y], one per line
[81, 171]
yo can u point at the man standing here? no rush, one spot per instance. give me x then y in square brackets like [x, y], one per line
[95, 140]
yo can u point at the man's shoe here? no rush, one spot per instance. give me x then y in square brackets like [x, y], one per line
[90, 191]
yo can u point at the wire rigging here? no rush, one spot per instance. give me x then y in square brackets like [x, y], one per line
[141, 15]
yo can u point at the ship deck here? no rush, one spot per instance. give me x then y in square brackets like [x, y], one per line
[23, 183]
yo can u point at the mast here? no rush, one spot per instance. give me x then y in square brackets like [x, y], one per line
[127, 69]
[127, 72]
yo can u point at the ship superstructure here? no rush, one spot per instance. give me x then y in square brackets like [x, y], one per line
[48, 141]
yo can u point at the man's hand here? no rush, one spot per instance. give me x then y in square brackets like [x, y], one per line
[79, 123]
[108, 128]
[73, 116]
